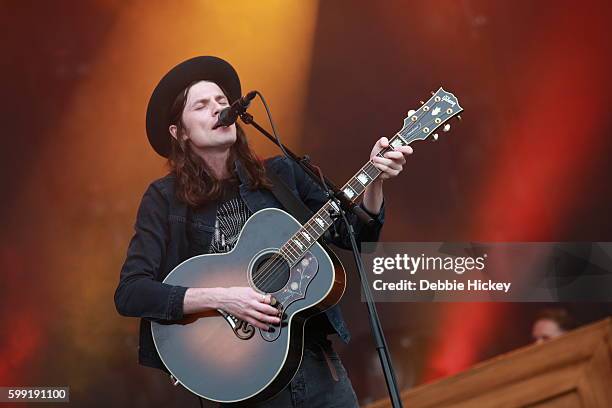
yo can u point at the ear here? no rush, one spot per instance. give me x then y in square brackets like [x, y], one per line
[172, 129]
[174, 132]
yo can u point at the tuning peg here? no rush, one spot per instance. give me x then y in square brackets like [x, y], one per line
[435, 137]
[411, 112]
[459, 117]
[446, 128]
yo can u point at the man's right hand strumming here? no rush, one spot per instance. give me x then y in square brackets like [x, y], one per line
[241, 302]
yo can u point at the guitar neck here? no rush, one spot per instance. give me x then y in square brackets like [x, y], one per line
[295, 248]
[419, 125]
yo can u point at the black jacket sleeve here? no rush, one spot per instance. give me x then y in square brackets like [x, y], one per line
[140, 292]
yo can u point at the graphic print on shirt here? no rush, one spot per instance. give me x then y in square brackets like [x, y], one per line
[231, 216]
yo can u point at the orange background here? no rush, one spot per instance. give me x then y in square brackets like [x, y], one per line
[529, 162]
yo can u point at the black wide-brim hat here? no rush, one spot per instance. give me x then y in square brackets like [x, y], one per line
[205, 68]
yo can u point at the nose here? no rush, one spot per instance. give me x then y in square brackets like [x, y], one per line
[217, 108]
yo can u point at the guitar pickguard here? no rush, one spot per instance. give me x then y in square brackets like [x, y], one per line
[295, 289]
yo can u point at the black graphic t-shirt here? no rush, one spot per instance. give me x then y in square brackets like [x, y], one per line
[232, 214]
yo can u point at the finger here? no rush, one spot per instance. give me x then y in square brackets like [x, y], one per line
[387, 162]
[405, 149]
[383, 141]
[386, 170]
[267, 309]
[254, 322]
[378, 146]
[395, 156]
[263, 298]
[382, 167]
[392, 154]
[264, 318]
[395, 166]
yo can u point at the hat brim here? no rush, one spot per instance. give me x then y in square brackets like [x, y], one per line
[205, 68]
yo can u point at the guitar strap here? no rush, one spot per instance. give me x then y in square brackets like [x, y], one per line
[291, 203]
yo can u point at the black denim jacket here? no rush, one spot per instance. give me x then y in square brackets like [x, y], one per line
[161, 242]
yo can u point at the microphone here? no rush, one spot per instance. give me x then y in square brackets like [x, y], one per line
[229, 115]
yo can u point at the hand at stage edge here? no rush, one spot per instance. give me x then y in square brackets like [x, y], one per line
[390, 165]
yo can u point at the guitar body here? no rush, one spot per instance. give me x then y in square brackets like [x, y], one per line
[223, 359]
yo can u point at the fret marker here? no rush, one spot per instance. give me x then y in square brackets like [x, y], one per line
[349, 192]
[334, 205]
[298, 243]
[305, 234]
[320, 222]
[397, 142]
[363, 178]
[404, 141]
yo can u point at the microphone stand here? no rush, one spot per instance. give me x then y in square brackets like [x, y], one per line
[304, 163]
[346, 205]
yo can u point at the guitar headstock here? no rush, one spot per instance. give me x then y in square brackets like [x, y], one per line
[420, 124]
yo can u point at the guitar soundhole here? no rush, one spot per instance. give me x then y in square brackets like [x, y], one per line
[270, 273]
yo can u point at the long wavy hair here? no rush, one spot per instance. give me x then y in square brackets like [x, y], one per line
[196, 184]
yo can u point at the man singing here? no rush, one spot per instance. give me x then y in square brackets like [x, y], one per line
[214, 185]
